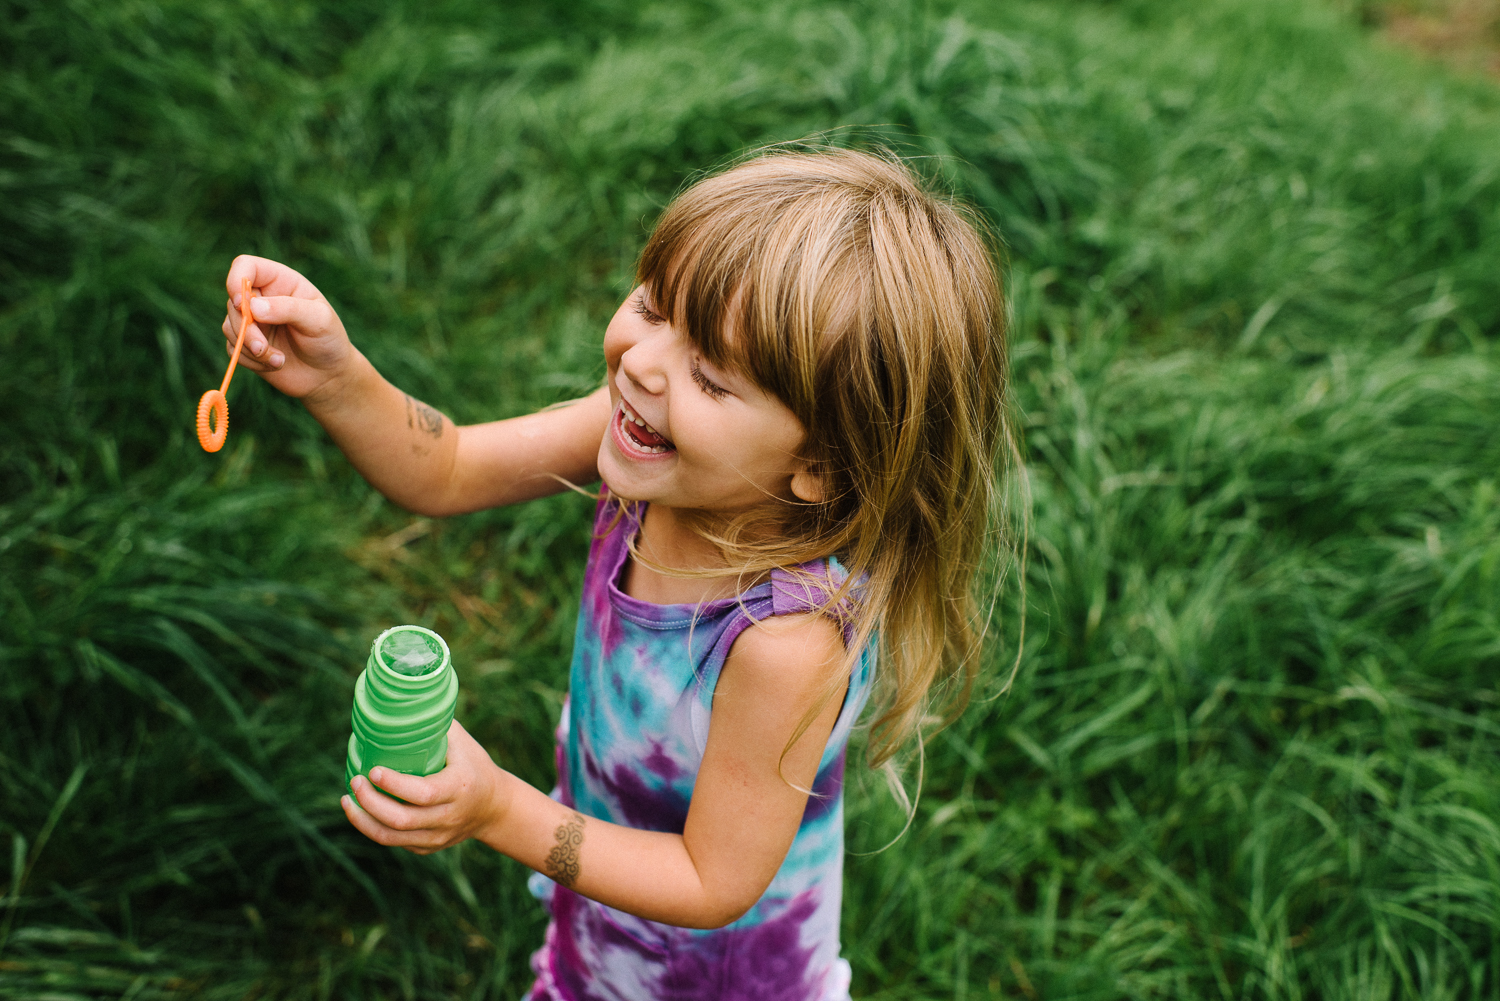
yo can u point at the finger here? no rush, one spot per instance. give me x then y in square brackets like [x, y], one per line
[418, 790]
[421, 841]
[397, 816]
[272, 362]
[463, 747]
[457, 732]
[311, 317]
[270, 277]
[269, 362]
[366, 824]
[256, 341]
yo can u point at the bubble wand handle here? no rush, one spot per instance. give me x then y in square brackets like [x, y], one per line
[214, 401]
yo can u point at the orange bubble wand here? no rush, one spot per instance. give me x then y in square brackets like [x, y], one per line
[214, 402]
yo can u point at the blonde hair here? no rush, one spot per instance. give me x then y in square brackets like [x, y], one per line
[871, 308]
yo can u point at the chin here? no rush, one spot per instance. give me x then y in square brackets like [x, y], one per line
[616, 475]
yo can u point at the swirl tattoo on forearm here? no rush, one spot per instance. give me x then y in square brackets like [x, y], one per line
[422, 417]
[562, 861]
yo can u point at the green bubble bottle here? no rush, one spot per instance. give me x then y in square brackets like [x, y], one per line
[403, 702]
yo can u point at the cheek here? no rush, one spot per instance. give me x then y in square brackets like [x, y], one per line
[733, 442]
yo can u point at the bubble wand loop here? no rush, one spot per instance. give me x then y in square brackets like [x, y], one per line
[214, 402]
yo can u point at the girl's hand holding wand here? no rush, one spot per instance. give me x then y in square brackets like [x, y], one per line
[405, 449]
[297, 342]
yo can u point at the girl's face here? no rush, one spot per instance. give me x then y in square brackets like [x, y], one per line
[686, 434]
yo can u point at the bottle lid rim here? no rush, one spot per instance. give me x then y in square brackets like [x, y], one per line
[441, 665]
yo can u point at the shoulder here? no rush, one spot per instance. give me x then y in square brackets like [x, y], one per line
[791, 653]
[820, 587]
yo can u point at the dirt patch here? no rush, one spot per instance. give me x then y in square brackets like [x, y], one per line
[1464, 33]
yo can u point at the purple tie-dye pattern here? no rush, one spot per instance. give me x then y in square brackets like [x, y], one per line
[629, 747]
[660, 763]
[747, 964]
[827, 790]
[641, 806]
[587, 944]
[755, 963]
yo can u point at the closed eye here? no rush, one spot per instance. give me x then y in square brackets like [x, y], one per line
[646, 312]
[710, 387]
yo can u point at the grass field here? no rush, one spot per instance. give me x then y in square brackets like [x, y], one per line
[1253, 749]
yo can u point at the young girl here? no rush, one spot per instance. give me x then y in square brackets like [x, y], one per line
[798, 443]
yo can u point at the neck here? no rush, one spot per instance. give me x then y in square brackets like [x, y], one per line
[666, 540]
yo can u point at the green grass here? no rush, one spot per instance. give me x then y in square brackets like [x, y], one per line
[1253, 749]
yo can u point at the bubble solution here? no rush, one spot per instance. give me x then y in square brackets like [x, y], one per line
[411, 650]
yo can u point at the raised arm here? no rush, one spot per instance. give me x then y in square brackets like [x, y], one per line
[744, 815]
[408, 451]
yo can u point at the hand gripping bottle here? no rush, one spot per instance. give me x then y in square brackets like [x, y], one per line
[403, 703]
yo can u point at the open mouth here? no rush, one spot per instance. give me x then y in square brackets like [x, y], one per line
[639, 433]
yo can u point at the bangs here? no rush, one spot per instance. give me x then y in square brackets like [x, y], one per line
[750, 263]
[696, 280]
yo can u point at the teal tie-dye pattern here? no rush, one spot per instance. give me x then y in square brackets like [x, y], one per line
[629, 746]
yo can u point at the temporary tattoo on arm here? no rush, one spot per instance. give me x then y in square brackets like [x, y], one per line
[562, 860]
[422, 417]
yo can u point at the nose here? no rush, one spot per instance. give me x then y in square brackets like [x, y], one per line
[642, 365]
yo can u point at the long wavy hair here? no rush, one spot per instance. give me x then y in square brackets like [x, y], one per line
[871, 307]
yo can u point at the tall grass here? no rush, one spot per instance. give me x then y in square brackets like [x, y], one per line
[1255, 267]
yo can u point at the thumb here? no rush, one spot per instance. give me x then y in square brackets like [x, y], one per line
[310, 317]
[465, 750]
[457, 733]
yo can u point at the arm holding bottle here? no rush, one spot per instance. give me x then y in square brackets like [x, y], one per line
[407, 450]
[747, 805]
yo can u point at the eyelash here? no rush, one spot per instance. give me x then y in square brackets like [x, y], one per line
[645, 311]
[712, 389]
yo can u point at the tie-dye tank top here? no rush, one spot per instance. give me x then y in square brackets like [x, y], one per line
[629, 745]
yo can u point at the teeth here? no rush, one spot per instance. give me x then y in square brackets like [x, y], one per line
[631, 416]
